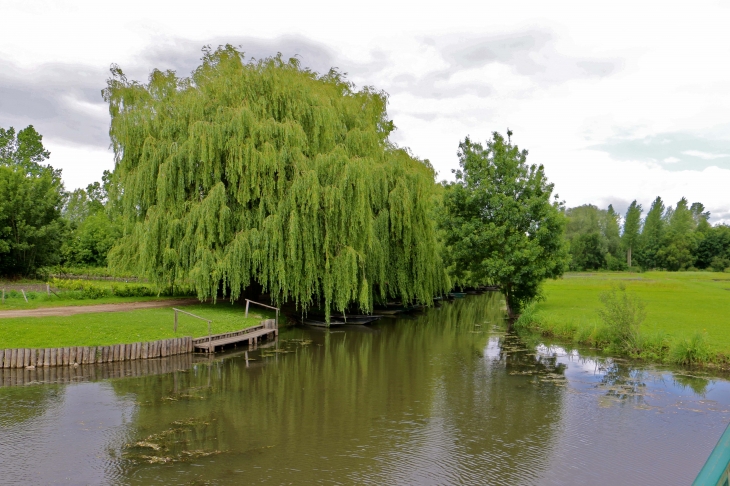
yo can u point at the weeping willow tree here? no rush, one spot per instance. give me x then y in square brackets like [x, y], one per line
[266, 173]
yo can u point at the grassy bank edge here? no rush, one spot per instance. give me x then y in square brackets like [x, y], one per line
[124, 327]
[654, 346]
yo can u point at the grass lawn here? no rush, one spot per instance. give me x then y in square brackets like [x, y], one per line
[38, 301]
[677, 303]
[123, 327]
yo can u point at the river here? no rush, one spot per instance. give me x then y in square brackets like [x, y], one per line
[442, 397]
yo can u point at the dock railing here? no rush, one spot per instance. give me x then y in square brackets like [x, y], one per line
[248, 302]
[210, 336]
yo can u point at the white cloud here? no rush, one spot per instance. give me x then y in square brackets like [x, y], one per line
[704, 155]
[558, 76]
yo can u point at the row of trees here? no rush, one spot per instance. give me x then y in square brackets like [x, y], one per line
[41, 224]
[255, 176]
[670, 238]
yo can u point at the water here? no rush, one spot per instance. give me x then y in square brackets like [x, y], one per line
[446, 397]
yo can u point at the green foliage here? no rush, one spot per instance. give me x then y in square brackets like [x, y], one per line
[24, 152]
[499, 223]
[265, 172]
[96, 290]
[588, 252]
[652, 235]
[693, 350]
[713, 249]
[622, 314]
[94, 225]
[31, 196]
[593, 235]
[631, 230]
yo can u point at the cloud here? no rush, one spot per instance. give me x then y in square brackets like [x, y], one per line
[705, 155]
[708, 148]
[62, 101]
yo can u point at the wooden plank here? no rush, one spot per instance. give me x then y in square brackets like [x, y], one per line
[2, 358]
[92, 355]
[164, 347]
[128, 356]
[72, 355]
[143, 352]
[122, 351]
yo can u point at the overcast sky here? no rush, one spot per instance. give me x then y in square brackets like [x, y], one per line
[618, 100]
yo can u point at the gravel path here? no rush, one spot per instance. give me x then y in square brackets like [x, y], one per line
[88, 309]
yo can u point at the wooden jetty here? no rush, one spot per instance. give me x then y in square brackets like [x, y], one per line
[267, 329]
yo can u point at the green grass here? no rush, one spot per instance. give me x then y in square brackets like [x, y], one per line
[679, 306]
[101, 329]
[41, 300]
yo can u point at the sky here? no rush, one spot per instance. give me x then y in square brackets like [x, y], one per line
[618, 100]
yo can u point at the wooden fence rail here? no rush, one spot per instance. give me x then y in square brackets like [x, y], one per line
[70, 356]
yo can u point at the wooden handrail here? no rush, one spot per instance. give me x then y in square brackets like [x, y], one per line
[268, 307]
[210, 337]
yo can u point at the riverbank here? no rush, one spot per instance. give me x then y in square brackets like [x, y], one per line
[687, 314]
[110, 328]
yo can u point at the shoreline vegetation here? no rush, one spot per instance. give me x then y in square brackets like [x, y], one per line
[687, 315]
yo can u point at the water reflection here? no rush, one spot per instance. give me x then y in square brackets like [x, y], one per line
[445, 397]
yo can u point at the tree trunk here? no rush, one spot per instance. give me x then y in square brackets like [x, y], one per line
[628, 257]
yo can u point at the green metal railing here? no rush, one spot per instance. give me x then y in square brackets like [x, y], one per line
[716, 470]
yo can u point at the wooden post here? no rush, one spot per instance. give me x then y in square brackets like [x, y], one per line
[175, 320]
[210, 339]
[23, 292]
[3, 296]
[48, 289]
[247, 302]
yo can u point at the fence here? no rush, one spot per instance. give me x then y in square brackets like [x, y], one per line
[70, 356]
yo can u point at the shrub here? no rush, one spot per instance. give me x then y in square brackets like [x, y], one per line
[691, 351]
[622, 314]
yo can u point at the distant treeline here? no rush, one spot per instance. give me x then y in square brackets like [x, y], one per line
[42, 224]
[669, 238]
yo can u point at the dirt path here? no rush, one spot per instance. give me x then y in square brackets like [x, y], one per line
[88, 309]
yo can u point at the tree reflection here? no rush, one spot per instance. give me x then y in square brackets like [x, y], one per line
[406, 399]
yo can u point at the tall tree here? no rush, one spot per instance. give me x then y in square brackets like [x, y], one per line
[701, 217]
[631, 230]
[652, 234]
[612, 234]
[265, 173]
[679, 242]
[31, 196]
[585, 235]
[93, 228]
[500, 224]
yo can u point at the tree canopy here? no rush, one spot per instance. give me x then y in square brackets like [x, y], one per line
[266, 172]
[31, 197]
[500, 224]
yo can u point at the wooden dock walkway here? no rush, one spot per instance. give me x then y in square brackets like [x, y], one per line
[251, 335]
